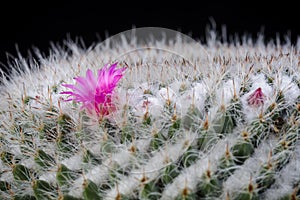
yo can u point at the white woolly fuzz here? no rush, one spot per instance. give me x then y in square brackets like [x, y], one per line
[195, 95]
[74, 162]
[289, 89]
[246, 172]
[226, 93]
[191, 176]
[150, 170]
[287, 178]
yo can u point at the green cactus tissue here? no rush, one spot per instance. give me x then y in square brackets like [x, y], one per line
[153, 114]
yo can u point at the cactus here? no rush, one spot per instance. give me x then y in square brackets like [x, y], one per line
[171, 118]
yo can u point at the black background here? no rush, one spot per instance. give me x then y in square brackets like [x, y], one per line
[29, 24]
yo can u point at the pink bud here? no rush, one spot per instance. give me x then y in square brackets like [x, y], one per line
[256, 98]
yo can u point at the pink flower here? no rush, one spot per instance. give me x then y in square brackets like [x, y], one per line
[256, 98]
[95, 93]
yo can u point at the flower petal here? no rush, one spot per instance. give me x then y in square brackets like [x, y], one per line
[95, 93]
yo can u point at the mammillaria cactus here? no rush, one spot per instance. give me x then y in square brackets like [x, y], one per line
[164, 118]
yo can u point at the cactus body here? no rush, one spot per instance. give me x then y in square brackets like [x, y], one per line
[191, 121]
